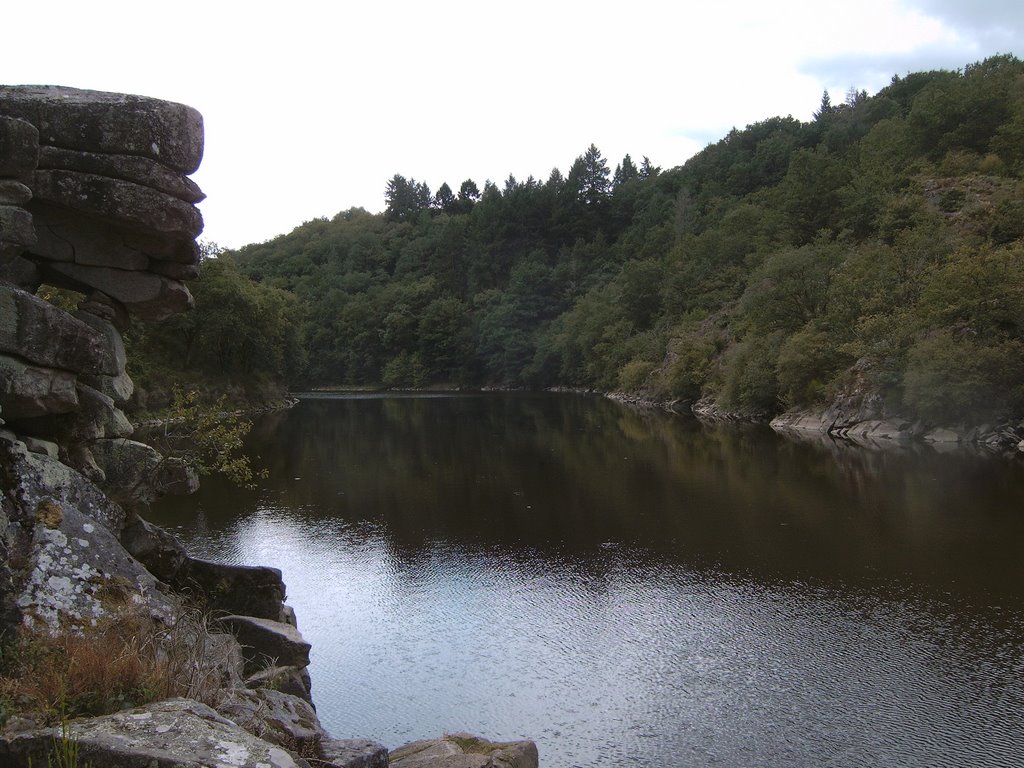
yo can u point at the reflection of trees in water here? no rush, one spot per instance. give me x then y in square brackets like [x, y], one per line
[569, 474]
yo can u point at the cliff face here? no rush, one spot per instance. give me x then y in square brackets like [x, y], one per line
[95, 198]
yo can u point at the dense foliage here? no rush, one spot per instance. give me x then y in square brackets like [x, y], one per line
[877, 246]
[241, 339]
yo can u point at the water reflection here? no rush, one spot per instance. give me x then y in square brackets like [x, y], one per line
[632, 588]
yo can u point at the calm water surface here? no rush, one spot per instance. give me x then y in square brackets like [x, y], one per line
[633, 588]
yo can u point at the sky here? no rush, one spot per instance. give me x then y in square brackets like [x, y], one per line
[311, 107]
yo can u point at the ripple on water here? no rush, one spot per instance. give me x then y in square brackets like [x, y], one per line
[629, 660]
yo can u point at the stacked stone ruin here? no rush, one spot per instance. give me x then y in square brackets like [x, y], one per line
[94, 197]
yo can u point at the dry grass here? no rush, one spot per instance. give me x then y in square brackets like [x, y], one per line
[121, 663]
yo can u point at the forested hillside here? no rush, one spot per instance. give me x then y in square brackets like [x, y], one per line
[878, 245]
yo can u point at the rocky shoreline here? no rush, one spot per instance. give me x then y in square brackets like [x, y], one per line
[859, 419]
[95, 198]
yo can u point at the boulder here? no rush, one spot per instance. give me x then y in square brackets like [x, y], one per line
[159, 551]
[66, 235]
[942, 436]
[246, 590]
[28, 391]
[176, 733]
[40, 333]
[16, 226]
[14, 192]
[136, 473]
[17, 270]
[140, 170]
[175, 270]
[144, 294]
[99, 304]
[267, 643]
[19, 146]
[275, 716]
[463, 750]
[39, 478]
[352, 753]
[291, 680]
[74, 569]
[122, 202]
[114, 359]
[109, 123]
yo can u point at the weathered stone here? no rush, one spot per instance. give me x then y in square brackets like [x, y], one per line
[40, 478]
[44, 447]
[463, 750]
[274, 716]
[19, 146]
[144, 294]
[17, 270]
[255, 591]
[140, 170]
[353, 753]
[97, 417]
[114, 357]
[267, 643]
[120, 201]
[176, 733]
[28, 391]
[291, 680]
[66, 235]
[76, 570]
[175, 270]
[40, 333]
[109, 123]
[136, 473]
[155, 548]
[114, 312]
[942, 436]
[14, 192]
[118, 388]
[16, 226]
[81, 459]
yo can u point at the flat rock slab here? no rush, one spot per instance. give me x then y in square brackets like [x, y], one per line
[242, 590]
[141, 170]
[40, 333]
[177, 733]
[121, 201]
[274, 716]
[110, 123]
[19, 146]
[267, 643]
[353, 753]
[463, 750]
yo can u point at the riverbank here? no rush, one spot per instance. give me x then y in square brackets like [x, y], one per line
[862, 420]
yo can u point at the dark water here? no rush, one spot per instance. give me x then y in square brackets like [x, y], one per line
[632, 588]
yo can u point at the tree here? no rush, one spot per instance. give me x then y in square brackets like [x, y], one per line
[445, 198]
[625, 171]
[647, 169]
[588, 178]
[825, 109]
[469, 191]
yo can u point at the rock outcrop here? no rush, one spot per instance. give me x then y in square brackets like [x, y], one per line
[463, 750]
[95, 199]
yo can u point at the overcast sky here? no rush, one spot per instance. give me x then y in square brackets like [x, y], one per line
[310, 107]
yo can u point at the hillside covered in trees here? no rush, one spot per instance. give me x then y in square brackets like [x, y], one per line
[879, 245]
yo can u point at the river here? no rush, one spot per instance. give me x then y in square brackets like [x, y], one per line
[633, 587]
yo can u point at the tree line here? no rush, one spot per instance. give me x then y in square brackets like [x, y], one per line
[877, 245]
